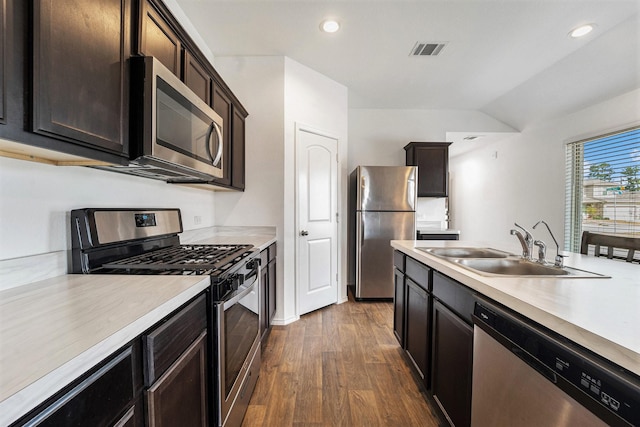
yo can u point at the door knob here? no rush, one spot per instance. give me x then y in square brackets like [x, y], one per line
[304, 233]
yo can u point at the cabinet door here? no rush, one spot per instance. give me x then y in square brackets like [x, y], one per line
[264, 299]
[222, 105]
[197, 78]
[80, 72]
[272, 290]
[452, 365]
[157, 38]
[179, 397]
[432, 159]
[237, 150]
[164, 344]
[96, 401]
[398, 306]
[417, 328]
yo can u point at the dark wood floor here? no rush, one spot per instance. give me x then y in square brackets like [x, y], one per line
[339, 366]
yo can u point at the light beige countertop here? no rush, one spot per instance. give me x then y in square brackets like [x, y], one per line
[53, 331]
[260, 237]
[601, 314]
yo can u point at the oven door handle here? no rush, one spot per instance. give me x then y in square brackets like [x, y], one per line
[237, 297]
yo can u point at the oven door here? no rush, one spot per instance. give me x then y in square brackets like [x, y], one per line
[237, 341]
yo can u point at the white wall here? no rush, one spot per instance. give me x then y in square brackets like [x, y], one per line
[376, 137]
[316, 101]
[259, 84]
[525, 183]
[278, 93]
[35, 200]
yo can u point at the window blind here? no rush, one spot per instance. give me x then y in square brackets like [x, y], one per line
[602, 190]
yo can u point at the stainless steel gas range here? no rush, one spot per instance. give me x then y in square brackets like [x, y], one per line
[146, 241]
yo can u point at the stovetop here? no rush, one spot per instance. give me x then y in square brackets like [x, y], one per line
[211, 260]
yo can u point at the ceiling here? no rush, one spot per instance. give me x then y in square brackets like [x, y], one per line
[511, 59]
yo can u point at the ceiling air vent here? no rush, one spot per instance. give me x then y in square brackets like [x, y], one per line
[427, 49]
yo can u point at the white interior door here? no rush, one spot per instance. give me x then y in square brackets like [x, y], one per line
[317, 248]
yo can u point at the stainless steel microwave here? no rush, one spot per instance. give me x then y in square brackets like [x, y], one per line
[175, 135]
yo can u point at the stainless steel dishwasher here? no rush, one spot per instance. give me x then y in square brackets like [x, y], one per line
[525, 375]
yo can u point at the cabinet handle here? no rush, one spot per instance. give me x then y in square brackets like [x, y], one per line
[304, 233]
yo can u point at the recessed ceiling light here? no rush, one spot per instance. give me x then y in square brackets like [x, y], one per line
[582, 30]
[329, 26]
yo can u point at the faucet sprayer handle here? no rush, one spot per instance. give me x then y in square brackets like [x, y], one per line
[542, 251]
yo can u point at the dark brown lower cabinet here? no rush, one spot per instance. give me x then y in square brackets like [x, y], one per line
[398, 305]
[267, 289]
[417, 328]
[264, 290]
[452, 365]
[105, 398]
[175, 368]
[179, 396]
[271, 303]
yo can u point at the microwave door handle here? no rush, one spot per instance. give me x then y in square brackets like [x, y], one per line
[207, 142]
[216, 160]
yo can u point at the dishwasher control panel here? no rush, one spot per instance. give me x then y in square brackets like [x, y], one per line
[607, 390]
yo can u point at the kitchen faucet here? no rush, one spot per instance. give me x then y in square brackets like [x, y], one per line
[559, 260]
[526, 240]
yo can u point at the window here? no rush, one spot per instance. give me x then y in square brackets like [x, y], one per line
[603, 187]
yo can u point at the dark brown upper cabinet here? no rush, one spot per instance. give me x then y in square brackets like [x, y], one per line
[80, 73]
[65, 80]
[432, 159]
[157, 38]
[222, 105]
[3, 14]
[238, 148]
[233, 138]
[197, 78]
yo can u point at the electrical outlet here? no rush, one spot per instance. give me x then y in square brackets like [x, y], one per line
[197, 220]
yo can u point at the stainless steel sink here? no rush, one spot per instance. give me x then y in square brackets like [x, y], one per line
[466, 252]
[521, 267]
[493, 262]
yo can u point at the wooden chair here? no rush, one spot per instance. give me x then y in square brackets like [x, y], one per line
[631, 244]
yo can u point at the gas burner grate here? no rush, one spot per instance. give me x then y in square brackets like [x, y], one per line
[185, 259]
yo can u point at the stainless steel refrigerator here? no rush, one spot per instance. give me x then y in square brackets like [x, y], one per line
[382, 203]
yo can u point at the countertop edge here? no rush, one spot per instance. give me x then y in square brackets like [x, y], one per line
[598, 344]
[427, 230]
